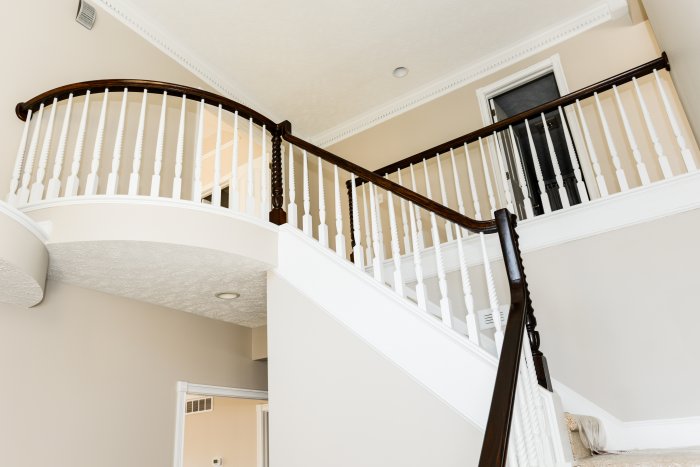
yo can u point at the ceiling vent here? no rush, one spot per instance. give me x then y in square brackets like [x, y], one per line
[86, 14]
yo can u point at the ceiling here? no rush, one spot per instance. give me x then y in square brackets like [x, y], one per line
[322, 64]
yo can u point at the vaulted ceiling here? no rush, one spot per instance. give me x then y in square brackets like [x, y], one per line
[326, 65]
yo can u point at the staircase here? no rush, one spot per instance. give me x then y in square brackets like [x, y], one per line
[393, 251]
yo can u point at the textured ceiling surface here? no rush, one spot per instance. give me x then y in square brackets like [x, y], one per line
[179, 277]
[18, 288]
[320, 63]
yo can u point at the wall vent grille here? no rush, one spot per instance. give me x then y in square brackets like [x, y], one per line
[205, 404]
[86, 15]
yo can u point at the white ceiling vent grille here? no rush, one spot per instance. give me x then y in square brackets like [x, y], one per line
[86, 14]
[206, 404]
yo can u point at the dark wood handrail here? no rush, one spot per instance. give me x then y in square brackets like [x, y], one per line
[409, 195]
[136, 85]
[601, 86]
[494, 449]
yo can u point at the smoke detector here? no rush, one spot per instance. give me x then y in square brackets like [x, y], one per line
[86, 14]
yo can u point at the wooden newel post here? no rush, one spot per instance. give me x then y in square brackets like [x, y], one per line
[277, 214]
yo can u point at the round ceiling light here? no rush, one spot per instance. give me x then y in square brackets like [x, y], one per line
[227, 295]
[400, 72]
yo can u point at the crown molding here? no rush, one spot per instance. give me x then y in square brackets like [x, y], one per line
[129, 15]
[603, 12]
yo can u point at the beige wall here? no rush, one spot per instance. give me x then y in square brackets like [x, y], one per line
[259, 347]
[227, 432]
[334, 401]
[89, 378]
[676, 27]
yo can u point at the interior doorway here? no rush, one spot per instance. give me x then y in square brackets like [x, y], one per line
[218, 426]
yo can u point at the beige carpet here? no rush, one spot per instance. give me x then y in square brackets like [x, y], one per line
[645, 458]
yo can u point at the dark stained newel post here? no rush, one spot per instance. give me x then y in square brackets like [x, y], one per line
[277, 214]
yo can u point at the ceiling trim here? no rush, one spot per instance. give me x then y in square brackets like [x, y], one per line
[133, 18]
[605, 11]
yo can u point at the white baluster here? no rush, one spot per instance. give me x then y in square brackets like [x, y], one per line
[493, 296]
[368, 226]
[419, 220]
[472, 321]
[250, 193]
[600, 179]
[404, 221]
[179, 150]
[544, 197]
[306, 219]
[72, 182]
[292, 207]
[160, 143]
[23, 193]
[458, 186]
[641, 168]
[113, 177]
[339, 237]
[527, 202]
[563, 195]
[673, 119]
[138, 148]
[17, 170]
[92, 179]
[37, 190]
[357, 251]
[322, 227]
[377, 263]
[443, 196]
[500, 155]
[380, 224]
[487, 178]
[417, 263]
[658, 148]
[518, 434]
[395, 248]
[530, 393]
[54, 187]
[622, 180]
[442, 280]
[233, 197]
[580, 186]
[198, 153]
[472, 184]
[264, 187]
[216, 188]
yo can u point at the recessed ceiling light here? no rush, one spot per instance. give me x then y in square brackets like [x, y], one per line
[400, 72]
[228, 295]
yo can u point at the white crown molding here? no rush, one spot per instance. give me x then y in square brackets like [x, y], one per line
[605, 11]
[133, 18]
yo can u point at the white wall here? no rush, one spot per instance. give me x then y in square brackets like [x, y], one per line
[90, 379]
[334, 401]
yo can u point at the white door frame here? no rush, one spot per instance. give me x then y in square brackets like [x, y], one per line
[184, 388]
[549, 65]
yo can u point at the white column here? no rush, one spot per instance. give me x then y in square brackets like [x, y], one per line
[23, 193]
[487, 179]
[357, 251]
[527, 202]
[180, 150]
[339, 237]
[458, 186]
[404, 221]
[417, 263]
[673, 119]
[471, 318]
[641, 168]
[500, 154]
[395, 251]
[544, 197]
[233, 188]
[54, 187]
[113, 177]
[292, 206]
[419, 220]
[600, 180]
[368, 226]
[73, 182]
[563, 195]
[92, 179]
[198, 153]
[306, 220]
[160, 143]
[377, 262]
[250, 187]
[580, 186]
[658, 148]
[37, 190]
[443, 196]
[472, 184]
[138, 148]
[322, 227]
[622, 180]
[493, 296]
[19, 160]
[216, 186]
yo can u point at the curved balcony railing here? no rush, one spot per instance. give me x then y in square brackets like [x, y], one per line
[140, 139]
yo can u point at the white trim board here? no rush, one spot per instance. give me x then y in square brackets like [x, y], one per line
[184, 388]
[605, 11]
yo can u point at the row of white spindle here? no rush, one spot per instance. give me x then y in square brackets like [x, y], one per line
[519, 174]
[24, 191]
